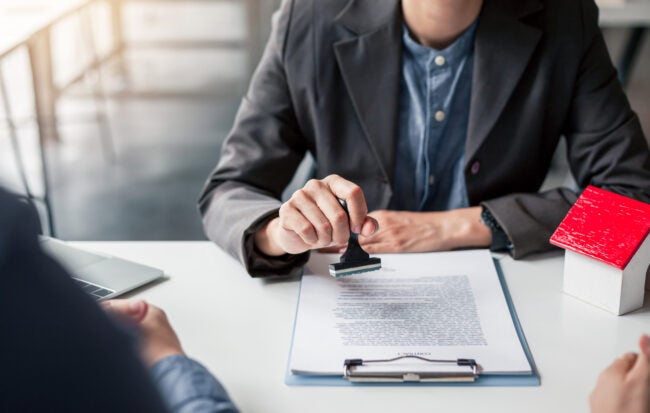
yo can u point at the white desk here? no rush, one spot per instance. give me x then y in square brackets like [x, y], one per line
[240, 328]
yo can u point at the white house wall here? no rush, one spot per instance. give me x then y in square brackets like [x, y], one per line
[592, 281]
[634, 278]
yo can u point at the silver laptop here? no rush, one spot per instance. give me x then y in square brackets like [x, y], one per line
[101, 276]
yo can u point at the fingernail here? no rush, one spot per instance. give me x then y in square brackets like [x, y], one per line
[356, 229]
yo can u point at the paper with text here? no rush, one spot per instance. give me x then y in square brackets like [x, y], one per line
[437, 305]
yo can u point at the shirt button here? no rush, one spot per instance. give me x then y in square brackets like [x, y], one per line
[440, 60]
[440, 116]
[476, 166]
[432, 179]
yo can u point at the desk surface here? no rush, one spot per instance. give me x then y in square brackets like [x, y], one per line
[240, 328]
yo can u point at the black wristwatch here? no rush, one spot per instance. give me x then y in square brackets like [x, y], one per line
[500, 240]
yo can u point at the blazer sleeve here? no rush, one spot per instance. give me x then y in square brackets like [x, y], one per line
[241, 195]
[605, 144]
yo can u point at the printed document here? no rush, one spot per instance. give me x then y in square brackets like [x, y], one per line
[445, 305]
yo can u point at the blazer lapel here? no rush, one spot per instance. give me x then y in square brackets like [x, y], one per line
[370, 64]
[502, 50]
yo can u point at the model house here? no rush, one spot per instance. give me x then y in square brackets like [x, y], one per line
[607, 241]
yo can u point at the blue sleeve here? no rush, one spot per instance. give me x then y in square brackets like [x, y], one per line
[188, 387]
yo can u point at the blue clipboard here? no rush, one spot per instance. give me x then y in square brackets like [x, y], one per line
[514, 380]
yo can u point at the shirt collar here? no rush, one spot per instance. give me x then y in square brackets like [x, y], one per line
[453, 53]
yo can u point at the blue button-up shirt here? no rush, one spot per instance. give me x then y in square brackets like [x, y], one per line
[436, 87]
[188, 387]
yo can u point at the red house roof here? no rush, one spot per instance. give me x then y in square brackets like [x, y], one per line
[604, 226]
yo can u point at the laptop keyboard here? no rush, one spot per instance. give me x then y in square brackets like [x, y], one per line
[94, 290]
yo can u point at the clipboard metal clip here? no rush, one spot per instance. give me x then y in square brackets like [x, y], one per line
[460, 370]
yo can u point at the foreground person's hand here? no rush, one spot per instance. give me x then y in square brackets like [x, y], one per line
[157, 337]
[624, 387]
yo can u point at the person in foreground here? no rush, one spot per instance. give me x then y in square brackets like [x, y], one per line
[59, 352]
[436, 120]
[625, 385]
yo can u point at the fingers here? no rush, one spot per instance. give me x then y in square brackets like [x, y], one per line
[369, 227]
[157, 315]
[621, 365]
[353, 196]
[644, 346]
[635, 364]
[291, 219]
[608, 390]
[131, 310]
[332, 249]
[329, 206]
[313, 217]
[641, 368]
[382, 248]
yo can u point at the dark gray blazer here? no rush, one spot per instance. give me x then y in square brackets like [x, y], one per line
[328, 83]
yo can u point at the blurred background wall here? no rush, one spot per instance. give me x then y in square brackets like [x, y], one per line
[146, 91]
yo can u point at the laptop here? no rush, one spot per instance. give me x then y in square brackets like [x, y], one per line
[102, 276]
